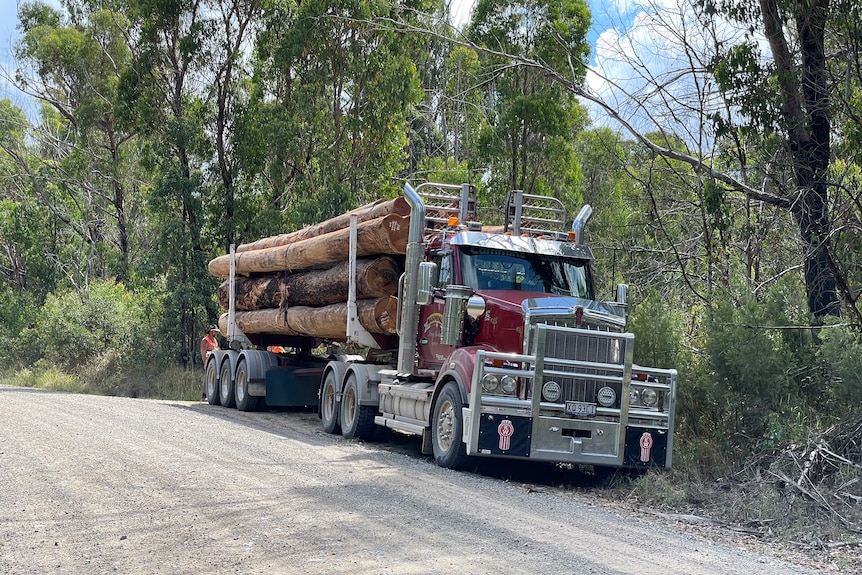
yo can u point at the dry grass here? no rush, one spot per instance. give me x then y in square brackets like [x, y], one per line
[803, 501]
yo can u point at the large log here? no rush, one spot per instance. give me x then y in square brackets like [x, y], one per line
[386, 235]
[328, 322]
[374, 278]
[373, 211]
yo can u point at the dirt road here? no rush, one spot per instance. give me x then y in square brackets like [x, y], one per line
[115, 485]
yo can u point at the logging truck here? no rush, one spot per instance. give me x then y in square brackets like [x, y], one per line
[409, 315]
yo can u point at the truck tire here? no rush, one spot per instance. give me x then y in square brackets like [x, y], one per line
[244, 401]
[356, 420]
[446, 429]
[225, 388]
[329, 405]
[211, 383]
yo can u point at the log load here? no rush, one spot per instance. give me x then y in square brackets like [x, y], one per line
[386, 235]
[374, 278]
[327, 322]
[373, 211]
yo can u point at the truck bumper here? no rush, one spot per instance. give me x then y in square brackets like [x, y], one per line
[565, 440]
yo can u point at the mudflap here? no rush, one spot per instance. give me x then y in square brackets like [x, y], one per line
[645, 447]
[505, 435]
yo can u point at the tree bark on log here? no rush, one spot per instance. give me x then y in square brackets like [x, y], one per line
[328, 322]
[374, 278]
[386, 235]
[373, 211]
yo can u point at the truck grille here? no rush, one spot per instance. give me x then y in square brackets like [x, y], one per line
[561, 346]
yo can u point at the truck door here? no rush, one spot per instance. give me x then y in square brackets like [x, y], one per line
[432, 353]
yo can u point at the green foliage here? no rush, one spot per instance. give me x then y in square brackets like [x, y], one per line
[658, 337]
[73, 329]
[527, 136]
[767, 382]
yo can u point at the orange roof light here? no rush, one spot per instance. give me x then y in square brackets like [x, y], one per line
[453, 221]
[573, 236]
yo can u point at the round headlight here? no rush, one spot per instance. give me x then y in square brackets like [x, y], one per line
[551, 391]
[490, 383]
[606, 396]
[634, 396]
[649, 397]
[508, 384]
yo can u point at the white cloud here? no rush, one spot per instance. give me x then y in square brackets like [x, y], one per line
[650, 66]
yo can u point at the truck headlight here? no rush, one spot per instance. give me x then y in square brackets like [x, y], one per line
[649, 397]
[634, 396]
[490, 383]
[606, 396]
[551, 391]
[508, 384]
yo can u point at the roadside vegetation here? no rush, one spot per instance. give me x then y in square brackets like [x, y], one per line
[168, 131]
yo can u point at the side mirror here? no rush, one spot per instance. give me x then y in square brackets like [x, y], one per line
[426, 282]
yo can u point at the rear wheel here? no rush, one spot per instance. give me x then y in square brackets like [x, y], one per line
[447, 429]
[211, 383]
[329, 405]
[356, 420]
[225, 387]
[244, 401]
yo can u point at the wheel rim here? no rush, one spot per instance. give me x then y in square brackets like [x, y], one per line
[240, 385]
[445, 425]
[225, 385]
[212, 387]
[328, 402]
[349, 407]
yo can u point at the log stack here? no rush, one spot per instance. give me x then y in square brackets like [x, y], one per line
[297, 284]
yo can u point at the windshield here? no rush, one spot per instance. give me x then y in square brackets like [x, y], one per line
[490, 269]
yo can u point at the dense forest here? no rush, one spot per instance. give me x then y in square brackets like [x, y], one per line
[169, 129]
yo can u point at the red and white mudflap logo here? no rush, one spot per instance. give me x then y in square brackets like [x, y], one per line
[646, 445]
[505, 431]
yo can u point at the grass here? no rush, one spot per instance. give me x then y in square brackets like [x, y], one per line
[108, 377]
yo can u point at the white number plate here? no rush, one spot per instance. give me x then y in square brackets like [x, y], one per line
[581, 408]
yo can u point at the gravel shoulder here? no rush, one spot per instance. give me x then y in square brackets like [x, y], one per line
[116, 485]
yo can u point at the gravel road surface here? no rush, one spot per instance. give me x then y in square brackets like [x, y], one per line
[115, 485]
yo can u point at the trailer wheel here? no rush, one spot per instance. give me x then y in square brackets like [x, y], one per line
[244, 401]
[446, 429]
[226, 386]
[356, 420]
[329, 405]
[211, 383]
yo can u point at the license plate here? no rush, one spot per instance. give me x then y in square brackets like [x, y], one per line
[581, 408]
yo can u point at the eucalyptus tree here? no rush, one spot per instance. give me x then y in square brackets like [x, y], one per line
[527, 143]
[164, 95]
[86, 174]
[332, 94]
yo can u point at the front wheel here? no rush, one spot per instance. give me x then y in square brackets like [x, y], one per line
[329, 405]
[356, 420]
[211, 383]
[447, 429]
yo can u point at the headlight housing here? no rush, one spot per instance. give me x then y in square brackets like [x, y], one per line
[490, 383]
[606, 396]
[551, 391]
[644, 397]
[508, 384]
[493, 384]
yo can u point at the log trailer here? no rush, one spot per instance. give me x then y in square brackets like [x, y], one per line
[499, 347]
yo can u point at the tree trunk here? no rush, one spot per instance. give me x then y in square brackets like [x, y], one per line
[374, 278]
[387, 235]
[373, 211]
[328, 322]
